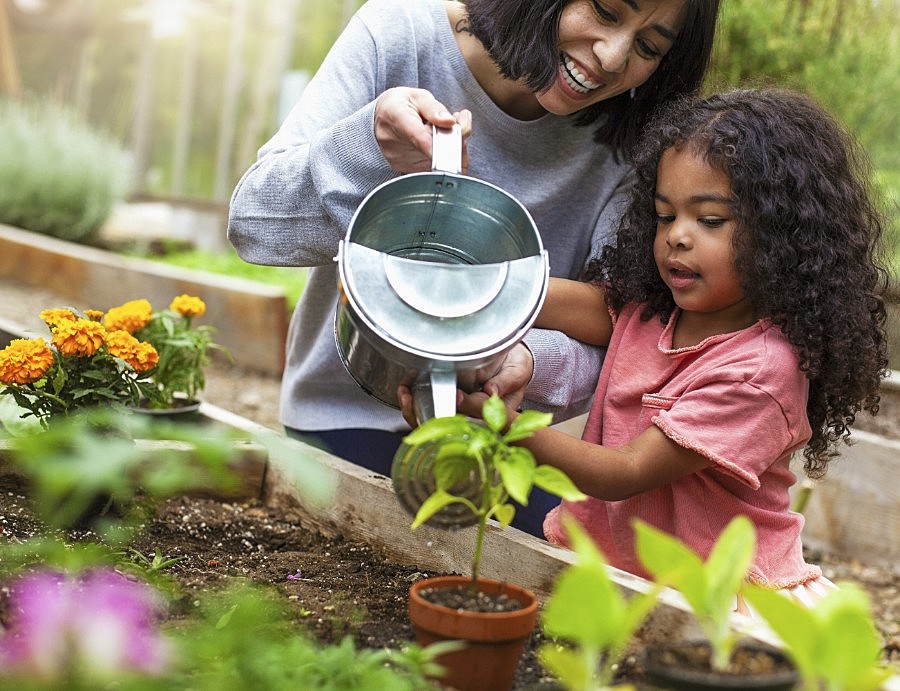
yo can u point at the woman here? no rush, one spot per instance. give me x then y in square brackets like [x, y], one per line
[550, 94]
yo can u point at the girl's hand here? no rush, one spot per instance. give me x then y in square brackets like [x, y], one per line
[403, 120]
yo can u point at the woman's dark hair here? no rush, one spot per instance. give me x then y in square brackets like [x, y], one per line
[808, 243]
[522, 37]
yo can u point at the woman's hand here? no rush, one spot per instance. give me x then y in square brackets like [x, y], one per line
[508, 381]
[403, 120]
[514, 374]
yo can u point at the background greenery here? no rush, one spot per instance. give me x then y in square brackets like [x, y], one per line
[844, 52]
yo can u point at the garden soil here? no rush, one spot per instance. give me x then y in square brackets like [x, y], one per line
[336, 587]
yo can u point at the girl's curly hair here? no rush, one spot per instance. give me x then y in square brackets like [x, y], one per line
[808, 247]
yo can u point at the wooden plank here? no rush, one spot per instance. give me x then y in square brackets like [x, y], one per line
[855, 510]
[364, 508]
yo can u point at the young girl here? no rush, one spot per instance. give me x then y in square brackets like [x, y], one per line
[742, 309]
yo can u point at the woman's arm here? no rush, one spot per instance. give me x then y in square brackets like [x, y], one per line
[578, 309]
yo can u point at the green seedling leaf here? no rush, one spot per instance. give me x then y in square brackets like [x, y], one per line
[526, 424]
[435, 503]
[710, 587]
[494, 414]
[517, 472]
[504, 514]
[591, 615]
[835, 645]
[553, 480]
[437, 428]
[793, 623]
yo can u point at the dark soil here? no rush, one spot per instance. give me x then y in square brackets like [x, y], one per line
[470, 599]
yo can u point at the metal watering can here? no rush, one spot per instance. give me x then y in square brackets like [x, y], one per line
[440, 275]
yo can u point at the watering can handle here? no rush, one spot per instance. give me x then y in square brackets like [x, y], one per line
[446, 149]
[434, 395]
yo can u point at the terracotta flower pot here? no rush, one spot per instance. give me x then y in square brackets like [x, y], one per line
[685, 667]
[494, 641]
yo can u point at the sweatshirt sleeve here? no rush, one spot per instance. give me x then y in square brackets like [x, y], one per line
[294, 204]
[565, 374]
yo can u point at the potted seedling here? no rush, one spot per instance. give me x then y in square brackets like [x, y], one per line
[834, 645]
[471, 471]
[711, 589]
[588, 620]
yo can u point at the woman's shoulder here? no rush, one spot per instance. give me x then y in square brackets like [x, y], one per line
[388, 12]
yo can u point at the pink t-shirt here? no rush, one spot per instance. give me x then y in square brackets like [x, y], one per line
[739, 399]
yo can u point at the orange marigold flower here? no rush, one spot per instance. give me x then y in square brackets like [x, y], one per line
[78, 338]
[145, 357]
[188, 305]
[54, 317]
[94, 315]
[25, 360]
[131, 316]
[140, 355]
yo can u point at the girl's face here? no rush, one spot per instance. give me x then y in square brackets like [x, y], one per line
[693, 248]
[607, 47]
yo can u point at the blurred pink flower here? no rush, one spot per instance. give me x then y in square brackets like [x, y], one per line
[98, 622]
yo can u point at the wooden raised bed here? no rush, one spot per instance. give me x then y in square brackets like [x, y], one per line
[251, 317]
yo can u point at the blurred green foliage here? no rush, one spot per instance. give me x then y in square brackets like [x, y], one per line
[58, 175]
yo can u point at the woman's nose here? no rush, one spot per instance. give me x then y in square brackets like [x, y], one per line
[612, 51]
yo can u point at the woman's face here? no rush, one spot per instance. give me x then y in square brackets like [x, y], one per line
[607, 47]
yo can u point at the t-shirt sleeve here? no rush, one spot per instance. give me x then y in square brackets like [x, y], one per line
[741, 426]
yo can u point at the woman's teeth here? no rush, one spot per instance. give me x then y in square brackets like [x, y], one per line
[575, 79]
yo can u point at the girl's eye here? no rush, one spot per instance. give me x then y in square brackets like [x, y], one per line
[664, 218]
[713, 222]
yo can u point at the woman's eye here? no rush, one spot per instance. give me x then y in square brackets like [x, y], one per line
[664, 218]
[603, 13]
[712, 222]
[648, 50]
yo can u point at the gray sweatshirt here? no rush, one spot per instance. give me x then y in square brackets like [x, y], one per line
[294, 204]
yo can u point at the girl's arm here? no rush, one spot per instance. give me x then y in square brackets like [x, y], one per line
[578, 309]
[648, 461]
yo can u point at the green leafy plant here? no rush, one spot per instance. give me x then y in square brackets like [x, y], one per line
[155, 562]
[184, 348]
[709, 587]
[589, 619]
[834, 645]
[93, 454]
[58, 175]
[502, 470]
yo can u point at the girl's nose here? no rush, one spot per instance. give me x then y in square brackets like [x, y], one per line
[612, 51]
[678, 236]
